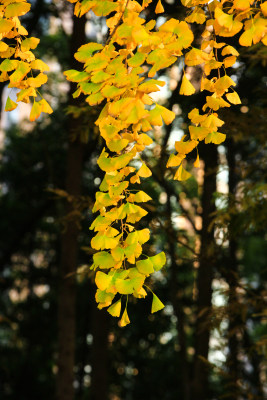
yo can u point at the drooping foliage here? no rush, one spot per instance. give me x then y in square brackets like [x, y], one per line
[19, 64]
[121, 75]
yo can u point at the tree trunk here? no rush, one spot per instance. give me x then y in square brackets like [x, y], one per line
[69, 246]
[232, 280]
[100, 326]
[177, 301]
[205, 277]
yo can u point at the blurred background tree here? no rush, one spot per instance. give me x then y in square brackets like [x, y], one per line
[210, 340]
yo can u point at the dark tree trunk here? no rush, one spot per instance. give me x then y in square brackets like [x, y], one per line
[232, 280]
[69, 247]
[177, 301]
[100, 326]
[205, 277]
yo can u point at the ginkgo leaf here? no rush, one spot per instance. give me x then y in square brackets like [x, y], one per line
[124, 286]
[38, 81]
[175, 160]
[161, 112]
[159, 8]
[215, 137]
[158, 261]
[117, 253]
[17, 9]
[137, 59]
[86, 51]
[229, 61]
[144, 171]
[186, 87]
[101, 242]
[156, 304]
[95, 99]
[103, 260]
[141, 197]
[103, 298]
[229, 50]
[35, 111]
[124, 319]
[21, 71]
[45, 106]
[182, 174]
[10, 105]
[24, 94]
[198, 132]
[104, 7]
[196, 162]
[151, 86]
[3, 47]
[233, 98]
[29, 43]
[76, 76]
[145, 266]
[102, 280]
[39, 64]
[5, 25]
[185, 147]
[264, 8]
[115, 309]
[110, 91]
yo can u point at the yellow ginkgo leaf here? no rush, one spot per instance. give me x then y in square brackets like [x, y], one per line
[156, 304]
[159, 8]
[141, 197]
[10, 105]
[39, 64]
[229, 61]
[102, 280]
[264, 8]
[45, 106]
[215, 137]
[115, 309]
[17, 9]
[175, 160]
[186, 87]
[197, 163]
[5, 25]
[182, 174]
[3, 46]
[35, 111]
[29, 43]
[103, 298]
[124, 319]
[233, 98]
[144, 171]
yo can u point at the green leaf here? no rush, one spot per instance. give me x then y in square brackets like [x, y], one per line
[103, 298]
[104, 8]
[137, 59]
[86, 51]
[156, 304]
[8, 65]
[103, 260]
[158, 261]
[145, 266]
[76, 76]
[10, 105]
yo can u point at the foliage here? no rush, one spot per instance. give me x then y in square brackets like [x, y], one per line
[121, 73]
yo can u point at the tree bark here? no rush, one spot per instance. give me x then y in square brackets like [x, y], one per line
[69, 246]
[232, 280]
[100, 326]
[204, 277]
